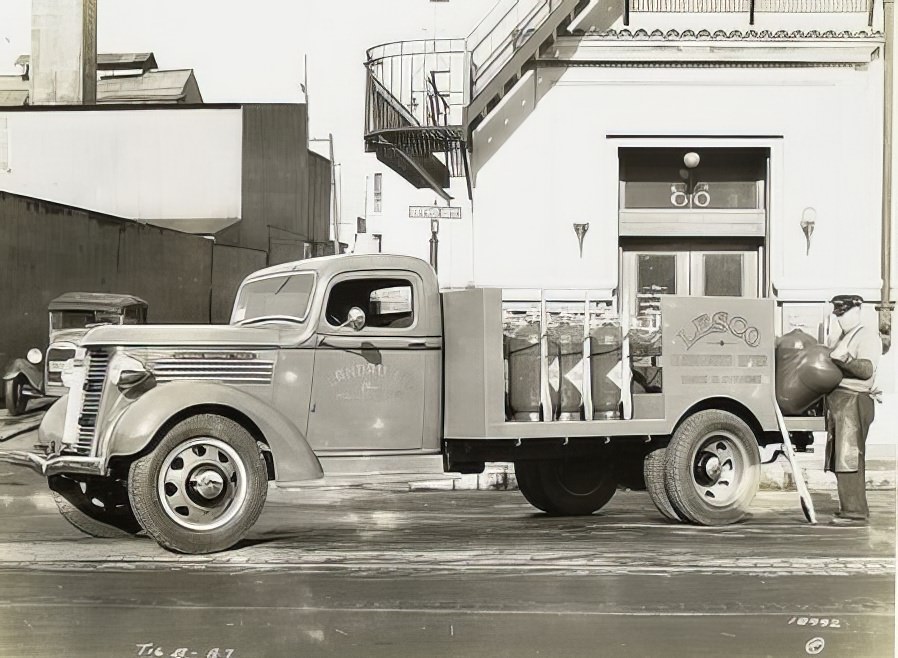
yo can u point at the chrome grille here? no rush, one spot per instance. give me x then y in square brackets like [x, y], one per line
[229, 371]
[97, 365]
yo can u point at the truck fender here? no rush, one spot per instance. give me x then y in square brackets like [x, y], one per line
[53, 423]
[140, 422]
[24, 367]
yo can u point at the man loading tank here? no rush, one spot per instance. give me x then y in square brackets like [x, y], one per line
[850, 407]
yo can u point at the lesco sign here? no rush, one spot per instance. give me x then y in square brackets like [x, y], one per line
[719, 323]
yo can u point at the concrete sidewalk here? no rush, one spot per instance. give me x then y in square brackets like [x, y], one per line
[777, 476]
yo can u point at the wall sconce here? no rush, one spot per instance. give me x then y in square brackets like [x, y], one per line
[691, 160]
[580, 230]
[808, 222]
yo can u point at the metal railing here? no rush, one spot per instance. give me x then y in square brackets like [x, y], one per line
[500, 33]
[741, 6]
[416, 83]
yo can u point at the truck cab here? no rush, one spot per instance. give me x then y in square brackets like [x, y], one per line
[359, 364]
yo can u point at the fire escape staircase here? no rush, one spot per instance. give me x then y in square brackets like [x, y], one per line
[425, 98]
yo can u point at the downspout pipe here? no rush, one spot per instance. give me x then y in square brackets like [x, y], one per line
[885, 305]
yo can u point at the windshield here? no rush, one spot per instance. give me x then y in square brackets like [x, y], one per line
[60, 320]
[283, 297]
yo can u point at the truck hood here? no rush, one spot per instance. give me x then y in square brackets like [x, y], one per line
[183, 335]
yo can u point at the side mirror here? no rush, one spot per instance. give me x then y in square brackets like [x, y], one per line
[355, 319]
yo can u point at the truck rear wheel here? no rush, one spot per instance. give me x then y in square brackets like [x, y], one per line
[653, 468]
[713, 468]
[99, 508]
[575, 487]
[527, 475]
[202, 488]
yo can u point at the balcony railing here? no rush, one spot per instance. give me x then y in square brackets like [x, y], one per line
[744, 6]
[416, 83]
[428, 83]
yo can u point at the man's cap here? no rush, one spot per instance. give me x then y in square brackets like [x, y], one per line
[844, 303]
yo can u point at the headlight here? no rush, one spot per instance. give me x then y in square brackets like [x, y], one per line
[34, 356]
[126, 371]
[121, 364]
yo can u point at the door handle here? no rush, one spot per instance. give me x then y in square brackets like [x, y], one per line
[418, 345]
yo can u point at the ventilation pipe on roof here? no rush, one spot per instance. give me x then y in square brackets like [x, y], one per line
[64, 52]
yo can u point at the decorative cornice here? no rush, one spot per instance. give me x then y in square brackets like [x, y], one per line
[733, 35]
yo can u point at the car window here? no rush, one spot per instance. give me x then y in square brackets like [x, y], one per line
[387, 303]
[133, 315]
[275, 297]
[71, 319]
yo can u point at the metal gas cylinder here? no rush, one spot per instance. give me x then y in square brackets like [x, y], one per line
[521, 347]
[566, 341]
[604, 360]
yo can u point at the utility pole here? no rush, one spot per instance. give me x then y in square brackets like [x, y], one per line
[335, 210]
[885, 306]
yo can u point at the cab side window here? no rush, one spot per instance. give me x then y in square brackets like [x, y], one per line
[133, 315]
[387, 303]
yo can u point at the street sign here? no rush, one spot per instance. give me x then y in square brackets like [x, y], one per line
[434, 212]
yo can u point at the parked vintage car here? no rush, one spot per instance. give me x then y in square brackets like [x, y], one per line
[72, 315]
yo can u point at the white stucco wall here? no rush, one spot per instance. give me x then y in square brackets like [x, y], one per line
[404, 235]
[547, 157]
[559, 165]
[143, 165]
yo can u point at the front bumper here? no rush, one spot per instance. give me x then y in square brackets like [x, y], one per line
[48, 465]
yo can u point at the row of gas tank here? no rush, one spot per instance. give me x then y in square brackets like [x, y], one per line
[565, 369]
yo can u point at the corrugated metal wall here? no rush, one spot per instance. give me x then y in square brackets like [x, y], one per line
[286, 187]
[47, 249]
[319, 198]
[275, 172]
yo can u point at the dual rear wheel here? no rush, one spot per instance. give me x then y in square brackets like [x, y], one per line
[708, 475]
[709, 472]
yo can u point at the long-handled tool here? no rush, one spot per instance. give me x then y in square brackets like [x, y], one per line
[545, 392]
[807, 505]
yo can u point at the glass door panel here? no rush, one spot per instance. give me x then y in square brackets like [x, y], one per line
[724, 273]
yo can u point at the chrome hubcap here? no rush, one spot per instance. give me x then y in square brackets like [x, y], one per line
[207, 482]
[202, 484]
[719, 469]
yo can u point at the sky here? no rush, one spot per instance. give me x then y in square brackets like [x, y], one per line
[253, 51]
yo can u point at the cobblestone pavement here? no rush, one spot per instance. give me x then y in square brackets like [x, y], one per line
[382, 571]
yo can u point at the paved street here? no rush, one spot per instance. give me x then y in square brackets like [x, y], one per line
[382, 572]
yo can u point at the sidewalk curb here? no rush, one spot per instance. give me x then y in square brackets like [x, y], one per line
[774, 477]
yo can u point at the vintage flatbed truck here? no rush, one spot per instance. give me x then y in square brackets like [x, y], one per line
[359, 365]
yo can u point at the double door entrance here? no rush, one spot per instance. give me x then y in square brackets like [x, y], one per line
[692, 221]
[700, 268]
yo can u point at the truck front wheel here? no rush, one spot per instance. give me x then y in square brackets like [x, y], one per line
[14, 395]
[97, 507]
[712, 468]
[202, 488]
[562, 487]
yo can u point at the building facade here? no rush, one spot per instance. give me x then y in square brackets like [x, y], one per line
[640, 147]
